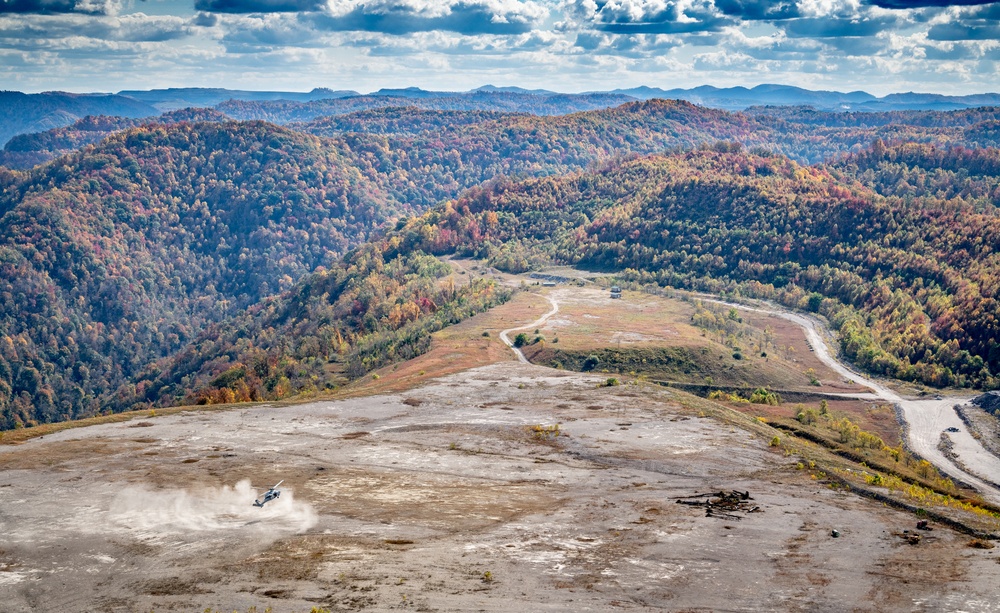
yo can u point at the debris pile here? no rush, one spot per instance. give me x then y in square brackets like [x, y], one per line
[989, 401]
[723, 505]
[910, 537]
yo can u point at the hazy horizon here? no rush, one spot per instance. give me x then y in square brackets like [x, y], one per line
[304, 89]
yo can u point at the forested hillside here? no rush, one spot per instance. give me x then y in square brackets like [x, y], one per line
[805, 115]
[118, 255]
[376, 307]
[24, 113]
[910, 282]
[125, 252]
[27, 150]
[122, 252]
[284, 111]
[400, 121]
[811, 136]
[929, 172]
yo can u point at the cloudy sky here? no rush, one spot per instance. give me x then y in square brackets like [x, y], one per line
[882, 46]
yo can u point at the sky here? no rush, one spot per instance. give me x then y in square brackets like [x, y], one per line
[880, 46]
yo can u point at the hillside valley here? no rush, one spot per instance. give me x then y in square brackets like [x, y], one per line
[378, 390]
[499, 305]
[140, 270]
[461, 478]
[161, 230]
[894, 273]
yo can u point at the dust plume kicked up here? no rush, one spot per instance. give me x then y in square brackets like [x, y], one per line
[209, 509]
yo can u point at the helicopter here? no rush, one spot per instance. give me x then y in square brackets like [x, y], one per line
[269, 495]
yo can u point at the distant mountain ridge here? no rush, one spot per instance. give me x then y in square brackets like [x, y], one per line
[286, 111]
[740, 98]
[25, 113]
[800, 132]
[29, 113]
[174, 98]
[26, 150]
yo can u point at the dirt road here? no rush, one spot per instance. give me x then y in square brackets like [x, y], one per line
[926, 419]
[504, 336]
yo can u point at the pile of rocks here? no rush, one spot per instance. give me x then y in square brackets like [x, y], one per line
[990, 401]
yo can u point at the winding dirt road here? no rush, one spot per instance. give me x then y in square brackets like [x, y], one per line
[535, 324]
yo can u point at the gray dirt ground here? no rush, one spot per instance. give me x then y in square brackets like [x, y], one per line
[984, 424]
[445, 499]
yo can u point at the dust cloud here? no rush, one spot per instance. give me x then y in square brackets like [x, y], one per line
[209, 509]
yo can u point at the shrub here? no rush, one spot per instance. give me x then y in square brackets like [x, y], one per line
[545, 432]
[733, 397]
[807, 416]
[591, 362]
[877, 480]
[763, 396]
[521, 340]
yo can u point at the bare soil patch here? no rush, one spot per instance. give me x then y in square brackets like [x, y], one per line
[984, 425]
[567, 501]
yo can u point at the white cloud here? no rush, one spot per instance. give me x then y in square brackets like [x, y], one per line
[572, 44]
[827, 8]
[51, 29]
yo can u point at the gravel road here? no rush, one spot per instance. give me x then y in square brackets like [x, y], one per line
[926, 419]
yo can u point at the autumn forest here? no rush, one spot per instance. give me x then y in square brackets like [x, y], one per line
[259, 250]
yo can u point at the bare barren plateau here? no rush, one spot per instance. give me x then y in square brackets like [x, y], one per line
[495, 486]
